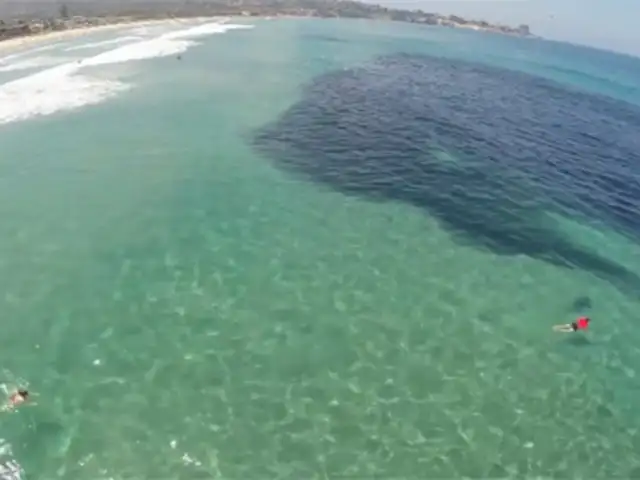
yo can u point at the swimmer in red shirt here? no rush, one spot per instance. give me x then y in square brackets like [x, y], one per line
[581, 323]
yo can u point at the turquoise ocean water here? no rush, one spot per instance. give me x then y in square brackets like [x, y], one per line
[182, 308]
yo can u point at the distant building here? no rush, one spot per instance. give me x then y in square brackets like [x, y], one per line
[456, 19]
[37, 27]
[524, 30]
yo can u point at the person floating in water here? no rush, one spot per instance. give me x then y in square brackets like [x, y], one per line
[581, 323]
[16, 398]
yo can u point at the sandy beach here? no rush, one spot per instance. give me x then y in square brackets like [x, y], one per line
[48, 37]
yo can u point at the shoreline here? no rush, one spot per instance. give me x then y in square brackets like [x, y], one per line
[35, 39]
[50, 37]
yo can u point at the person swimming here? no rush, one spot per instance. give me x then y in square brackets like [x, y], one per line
[18, 397]
[581, 323]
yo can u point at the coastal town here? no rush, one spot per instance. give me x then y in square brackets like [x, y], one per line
[26, 21]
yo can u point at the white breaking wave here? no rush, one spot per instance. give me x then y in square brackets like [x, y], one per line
[103, 43]
[52, 90]
[9, 58]
[203, 30]
[12, 56]
[62, 88]
[157, 47]
[35, 62]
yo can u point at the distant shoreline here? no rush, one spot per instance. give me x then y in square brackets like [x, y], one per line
[35, 38]
[45, 25]
[45, 37]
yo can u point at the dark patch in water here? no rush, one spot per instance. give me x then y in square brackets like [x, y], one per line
[582, 303]
[488, 152]
[498, 471]
[326, 38]
[604, 411]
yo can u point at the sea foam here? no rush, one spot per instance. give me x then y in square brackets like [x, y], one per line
[34, 62]
[9, 468]
[103, 43]
[157, 47]
[52, 90]
[63, 87]
[203, 30]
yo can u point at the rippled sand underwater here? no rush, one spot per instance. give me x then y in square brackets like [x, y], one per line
[227, 266]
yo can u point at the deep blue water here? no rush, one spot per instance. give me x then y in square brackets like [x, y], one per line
[488, 151]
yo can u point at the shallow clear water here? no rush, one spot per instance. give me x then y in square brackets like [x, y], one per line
[185, 308]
